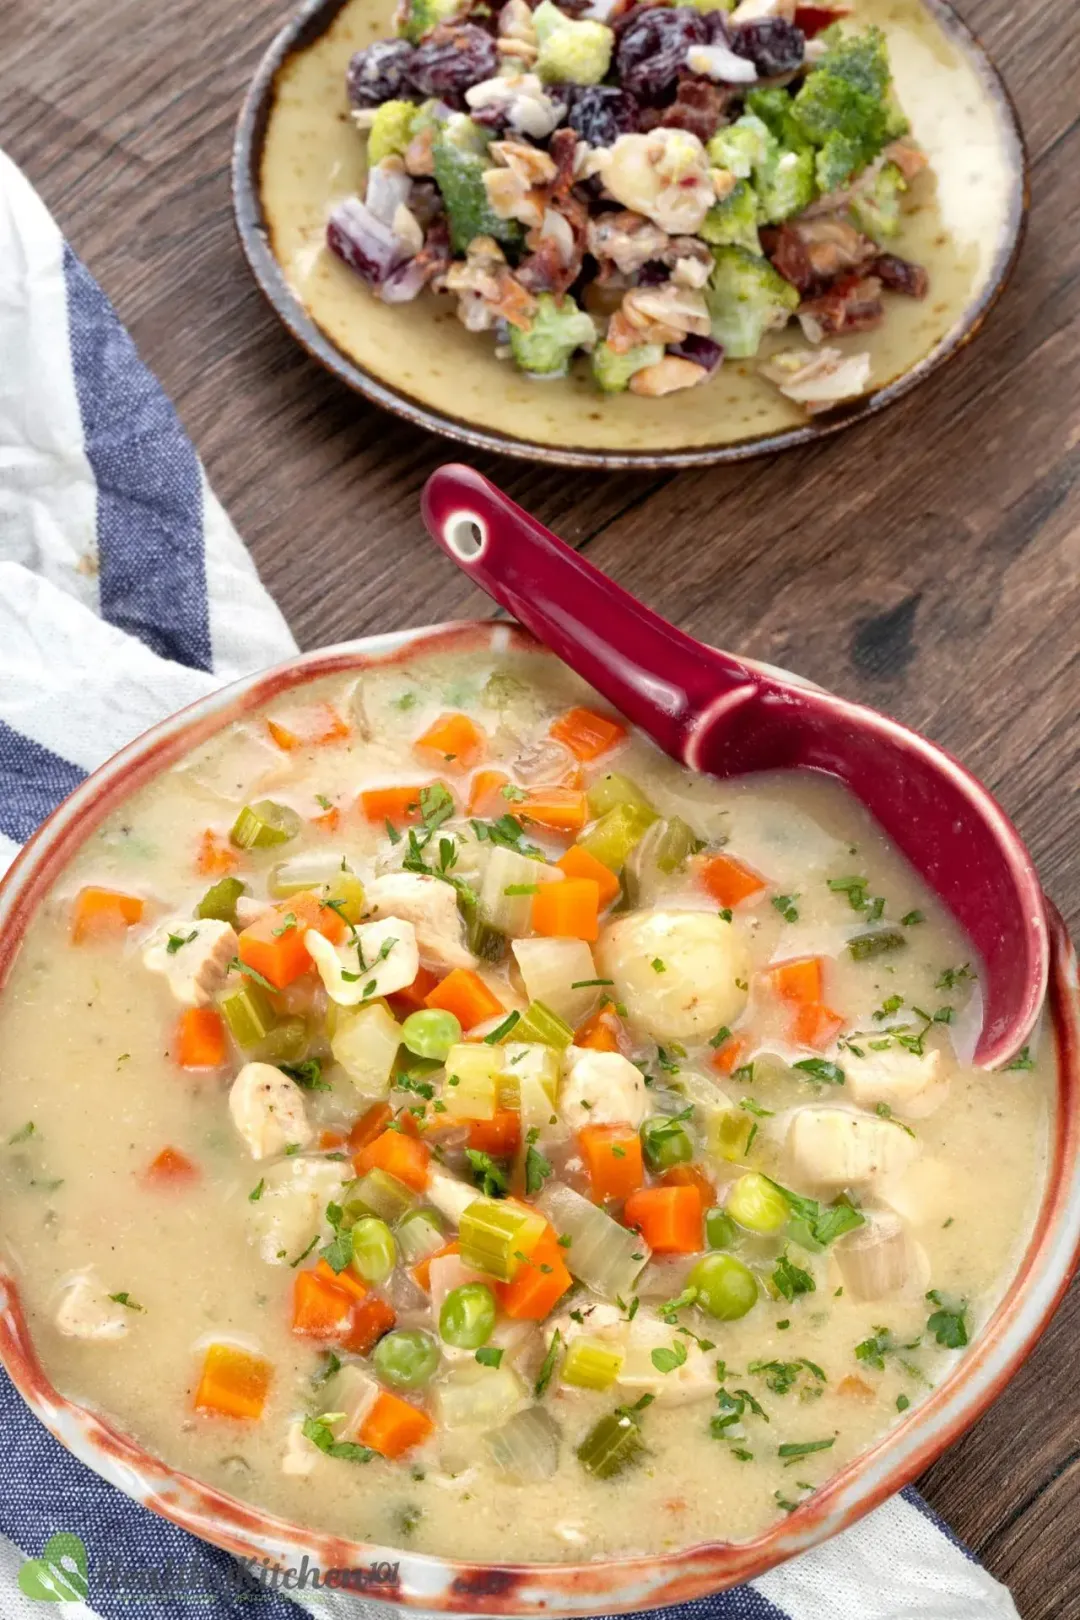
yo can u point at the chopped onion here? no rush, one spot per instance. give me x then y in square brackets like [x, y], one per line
[527, 1446]
[506, 869]
[365, 1042]
[551, 968]
[601, 1254]
[477, 1396]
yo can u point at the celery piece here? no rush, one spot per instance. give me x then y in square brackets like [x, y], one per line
[379, 1193]
[346, 894]
[471, 1081]
[616, 833]
[365, 1041]
[419, 1233]
[613, 789]
[476, 1397]
[287, 1042]
[727, 1132]
[610, 1446]
[526, 1447]
[663, 850]
[591, 1364]
[264, 824]
[219, 901]
[303, 872]
[507, 887]
[494, 1235]
[529, 1080]
[481, 936]
[248, 1014]
[538, 1023]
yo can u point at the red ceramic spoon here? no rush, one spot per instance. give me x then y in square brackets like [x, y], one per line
[723, 715]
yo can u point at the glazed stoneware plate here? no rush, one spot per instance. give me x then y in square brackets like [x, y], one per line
[297, 154]
[445, 1585]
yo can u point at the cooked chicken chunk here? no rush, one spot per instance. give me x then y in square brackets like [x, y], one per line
[268, 1110]
[381, 958]
[910, 1084]
[431, 906]
[832, 1148]
[875, 1259]
[87, 1312]
[194, 956]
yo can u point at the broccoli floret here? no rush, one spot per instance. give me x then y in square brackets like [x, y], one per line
[557, 330]
[862, 59]
[776, 109]
[459, 154]
[785, 185]
[571, 52]
[877, 211]
[746, 298]
[613, 371]
[421, 16]
[735, 220]
[391, 130]
[836, 160]
[740, 146]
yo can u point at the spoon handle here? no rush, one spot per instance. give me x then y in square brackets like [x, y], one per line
[661, 679]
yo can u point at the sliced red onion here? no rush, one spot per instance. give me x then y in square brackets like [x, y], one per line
[362, 241]
[701, 350]
[404, 283]
[388, 188]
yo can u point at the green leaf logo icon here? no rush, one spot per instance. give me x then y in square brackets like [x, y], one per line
[60, 1574]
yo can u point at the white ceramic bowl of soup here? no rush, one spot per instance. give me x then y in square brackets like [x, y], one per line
[487, 1562]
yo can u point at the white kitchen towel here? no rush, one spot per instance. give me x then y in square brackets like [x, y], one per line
[124, 594]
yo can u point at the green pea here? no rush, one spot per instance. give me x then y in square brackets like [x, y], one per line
[431, 1033]
[756, 1204]
[725, 1287]
[719, 1228]
[406, 1358]
[467, 1316]
[665, 1142]
[374, 1249]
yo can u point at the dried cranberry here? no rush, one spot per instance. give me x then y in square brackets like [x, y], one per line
[452, 58]
[701, 350]
[653, 274]
[788, 254]
[774, 45]
[652, 48]
[381, 73]
[852, 304]
[601, 113]
[900, 275]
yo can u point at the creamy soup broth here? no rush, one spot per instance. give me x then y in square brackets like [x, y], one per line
[92, 1092]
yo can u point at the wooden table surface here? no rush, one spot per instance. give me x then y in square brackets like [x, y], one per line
[927, 562]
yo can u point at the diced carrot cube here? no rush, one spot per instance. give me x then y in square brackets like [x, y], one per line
[347, 1280]
[393, 1426]
[729, 881]
[578, 863]
[372, 1122]
[452, 742]
[421, 1272]
[234, 1383]
[322, 1309]
[465, 994]
[799, 980]
[586, 733]
[816, 1025]
[411, 999]
[668, 1218]
[171, 1168]
[328, 821]
[216, 857]
[612, 1155]
[539, 1283]
[399, 1155]
[274, 944]
[333, 1141]
[567, 910]
[371, 1318]
[103, 914]
[691, 1175]
[400, 806]
[486, 796]
[726, 1058]
[200, 1040]
[556, 809]
[601, 1032]
[308, 728]
[498, 1136]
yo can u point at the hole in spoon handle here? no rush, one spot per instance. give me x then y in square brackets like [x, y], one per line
[660, 678]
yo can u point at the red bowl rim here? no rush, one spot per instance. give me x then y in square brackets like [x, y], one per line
[451, 1586]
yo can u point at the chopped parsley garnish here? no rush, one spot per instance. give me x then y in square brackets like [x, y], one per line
[242, 967]
[307, 1074]
[23, 1134]
[792, 1280]
[502, 1030]
[822, 1223]
[782, 1376]
[1022, 1060]
[537, 1167]
[126, 1300]
[318, 1430]
[257, 1191]
[667, 1360]
[547, 1370]
[305, 1252]
[882, 1343]
[489, 1355]
[785, 905]
[723, 1034]
[436, 805]
[948, 1323]
[658, 966]
[803, 1448]
[487, 1175]
[949, 978]
[879, 943]
[587, 984]
[178, 941]
[883, 1111]
[821, 1069]
[911, 918]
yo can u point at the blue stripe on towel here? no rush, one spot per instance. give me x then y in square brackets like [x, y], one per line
[33, 781]
[911, 1495]
[152, 573]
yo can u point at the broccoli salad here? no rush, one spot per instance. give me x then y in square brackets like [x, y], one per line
[656, 186]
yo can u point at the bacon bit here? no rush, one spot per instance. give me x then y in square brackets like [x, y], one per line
[215, 858]
[856, 1388]
[810, 253]
[562, 148]
[852, 304]
[812, 19]
[901, 276]
[515, 303]
[910, 159]
[698, 107]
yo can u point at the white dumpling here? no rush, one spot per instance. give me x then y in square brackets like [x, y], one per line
[681, 975]
[601, 1088]
[87, 1312]
[268, 1110]
[291, 1207]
